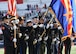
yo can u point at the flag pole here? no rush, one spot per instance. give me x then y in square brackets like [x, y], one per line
[12, 11]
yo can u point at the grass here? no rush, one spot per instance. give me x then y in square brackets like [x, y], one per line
[73, 50]
[1, 51]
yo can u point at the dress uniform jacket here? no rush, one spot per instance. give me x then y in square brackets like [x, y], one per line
[7, 35]
[30, 32]
[8, 43]
[23, 42]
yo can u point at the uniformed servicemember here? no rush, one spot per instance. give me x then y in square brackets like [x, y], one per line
[56, 38]
[35, 20]
[22, 36]
[67, 44]
[41, 40]
[36, 29]
[15, 32]
[8, 39]
[60, 45]
[49, 28]
[53, 38]
[30, 33]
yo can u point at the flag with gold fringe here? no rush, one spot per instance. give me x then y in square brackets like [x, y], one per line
[63, 11]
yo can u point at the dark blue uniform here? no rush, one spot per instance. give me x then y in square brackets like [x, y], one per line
[8, 43]
[30, 33]
[23, 42]
[41, 44]
[67, 44]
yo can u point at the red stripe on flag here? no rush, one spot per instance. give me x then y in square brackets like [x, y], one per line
[62, 1]
[69, 25]
[12, 7]
[67, 5]
[19, 1]
[2, 0]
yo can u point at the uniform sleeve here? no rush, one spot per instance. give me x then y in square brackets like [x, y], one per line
[7, 33]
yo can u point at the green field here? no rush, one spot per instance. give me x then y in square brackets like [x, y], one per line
[1, 51]
[73, 50]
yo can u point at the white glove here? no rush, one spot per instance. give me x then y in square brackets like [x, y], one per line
[12, 21]
[27, 37]
[11, 28]
[39, 39]
[20, 35]
[51, 25]
[14, 27]
[16, 21]
[14, 40]
[58, 42]
[59, 27]
[34, 26]
[53, 16]
[41, 25]
[57, 38]
[72, 38]
[46, 38]
[47, 26]
[54, 39]
[1, 31]
[35, 41]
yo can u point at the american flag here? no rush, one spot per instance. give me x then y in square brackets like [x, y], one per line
[12, 7]
[18, 1]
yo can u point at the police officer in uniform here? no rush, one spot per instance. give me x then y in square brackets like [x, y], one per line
[8, 39]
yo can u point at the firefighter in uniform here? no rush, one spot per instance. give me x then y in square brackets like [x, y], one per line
[8, 39]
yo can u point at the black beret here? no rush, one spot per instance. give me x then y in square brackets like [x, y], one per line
[20, 18]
